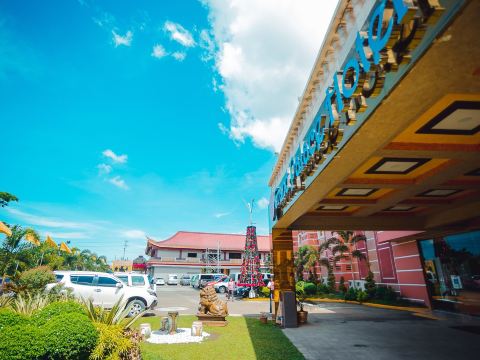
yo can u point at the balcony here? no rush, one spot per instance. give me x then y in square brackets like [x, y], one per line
[199, 261]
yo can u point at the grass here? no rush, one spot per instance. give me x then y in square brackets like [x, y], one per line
[243, 338]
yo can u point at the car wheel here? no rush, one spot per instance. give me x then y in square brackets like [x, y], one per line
[136, 307]
[222, 289]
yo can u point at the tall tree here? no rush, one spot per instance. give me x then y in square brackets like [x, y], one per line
[16, 254]
[6, 197]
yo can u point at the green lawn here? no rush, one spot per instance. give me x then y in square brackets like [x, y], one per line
[243, 338]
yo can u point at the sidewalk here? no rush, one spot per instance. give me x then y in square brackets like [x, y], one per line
[342, 331]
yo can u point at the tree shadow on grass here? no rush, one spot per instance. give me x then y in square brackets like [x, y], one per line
[269, 342]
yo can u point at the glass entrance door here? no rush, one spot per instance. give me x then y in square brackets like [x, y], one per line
[452, 271]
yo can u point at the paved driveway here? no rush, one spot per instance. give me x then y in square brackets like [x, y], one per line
[185, 300]
[344, 331]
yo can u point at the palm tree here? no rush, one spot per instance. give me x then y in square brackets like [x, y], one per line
[15, 253]
[344, 246]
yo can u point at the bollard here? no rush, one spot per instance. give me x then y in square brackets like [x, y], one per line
[197, 328]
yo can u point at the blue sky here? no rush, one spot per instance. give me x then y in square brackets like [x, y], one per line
[121, 119]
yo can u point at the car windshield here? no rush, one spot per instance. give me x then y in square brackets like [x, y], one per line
[59, 277]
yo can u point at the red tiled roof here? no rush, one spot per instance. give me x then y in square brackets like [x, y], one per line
[201, 240]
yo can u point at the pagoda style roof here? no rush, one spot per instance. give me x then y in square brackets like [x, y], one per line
[203, 240]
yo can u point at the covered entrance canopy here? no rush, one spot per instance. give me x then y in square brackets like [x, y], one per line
[387, 133]
[414, 164]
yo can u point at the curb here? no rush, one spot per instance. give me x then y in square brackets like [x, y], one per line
[416, 311]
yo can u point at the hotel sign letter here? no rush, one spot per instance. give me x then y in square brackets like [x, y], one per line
[395, 28]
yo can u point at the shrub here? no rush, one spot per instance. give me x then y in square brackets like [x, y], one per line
[331, 282]
[322, 289]
[265, 291]
[362, 296]
[112, 342]
[10, 318]
[370, 286]
[386, 293]
[5, 301]
[28, 304]
[69, 336]
[309, 288]
[351, 294]
[34, 280]
[341, 286]
[57, 308]
[21, 342]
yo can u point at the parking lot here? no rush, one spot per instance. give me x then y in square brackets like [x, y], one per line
[184, 299]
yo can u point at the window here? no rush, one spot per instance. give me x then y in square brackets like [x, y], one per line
[106, 281]
[124, 278]
[338, 268]
[59, 277]
[348, 267]
[235, 255]
[82, 279]
[192, 255]
[138, 281]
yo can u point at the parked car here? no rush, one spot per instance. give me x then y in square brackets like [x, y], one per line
[216, 278]
[221, 285]
[3, 284]
[172, 279]
[105, 290]
[206, 279]
[160, 281]
[137, 280]
[202, 279]
[193, 280]
[185, 280]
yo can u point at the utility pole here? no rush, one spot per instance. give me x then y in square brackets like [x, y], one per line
[124, 248]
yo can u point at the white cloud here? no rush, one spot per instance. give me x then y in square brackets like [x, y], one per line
[121, 159]
[179, 56]
[263, 203]
[264, 52]
[118, 182]
[179, 34]
[208, 45]
[104, 169]
[221, 214]
[125, 40]
[66, 235]
[134, 234]
[158, 51]
[45, 221]
[223, 128]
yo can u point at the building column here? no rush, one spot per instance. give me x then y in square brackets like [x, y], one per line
[283, 264]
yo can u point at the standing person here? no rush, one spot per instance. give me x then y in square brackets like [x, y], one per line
[231, 289]
[271, 286]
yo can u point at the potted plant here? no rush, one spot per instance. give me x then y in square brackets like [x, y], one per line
[302, 315]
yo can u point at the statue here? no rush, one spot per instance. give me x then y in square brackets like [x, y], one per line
[210, 304]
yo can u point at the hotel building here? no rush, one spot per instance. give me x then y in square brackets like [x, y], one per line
[386, 140]
[198, 252]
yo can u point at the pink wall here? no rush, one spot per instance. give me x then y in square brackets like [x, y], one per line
[393, 261]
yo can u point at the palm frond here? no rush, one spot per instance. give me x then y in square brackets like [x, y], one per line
[359, 255]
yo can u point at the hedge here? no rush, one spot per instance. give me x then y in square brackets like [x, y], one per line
[20, 342]
[57, 308]
[65, 336]
[10, 318]
[70, 337]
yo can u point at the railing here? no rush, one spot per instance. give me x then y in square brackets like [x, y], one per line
[198, 260]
